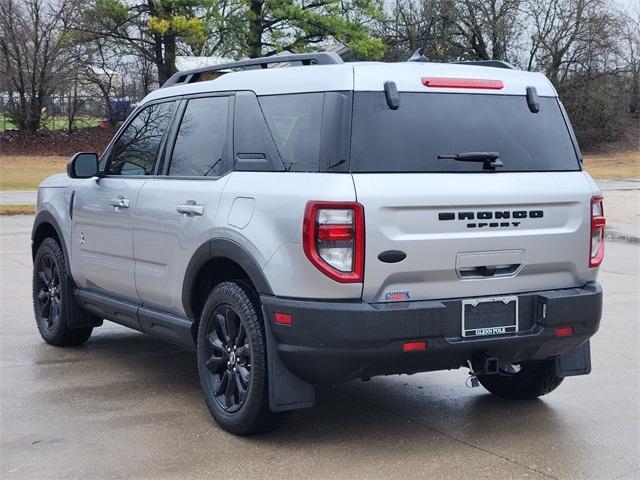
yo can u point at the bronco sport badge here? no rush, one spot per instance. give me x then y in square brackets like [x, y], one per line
[495, 215]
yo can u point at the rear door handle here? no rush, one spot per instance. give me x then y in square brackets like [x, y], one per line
[119, 202]
[190, 209]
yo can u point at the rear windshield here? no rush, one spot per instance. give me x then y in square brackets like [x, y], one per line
[427, 125]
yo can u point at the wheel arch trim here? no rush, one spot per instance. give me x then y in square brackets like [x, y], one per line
[222, 248]
[46, 217]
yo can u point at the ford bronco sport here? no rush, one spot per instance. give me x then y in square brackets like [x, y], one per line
[326, 222]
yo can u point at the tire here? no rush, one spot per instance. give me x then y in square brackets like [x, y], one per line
[532, 381]
[50, 298]
[232, 361]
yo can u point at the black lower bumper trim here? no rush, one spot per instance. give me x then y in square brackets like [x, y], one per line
[329, 342]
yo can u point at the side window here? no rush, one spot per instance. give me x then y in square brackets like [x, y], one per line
[295, 122]
[312, 130]
[136, 150]
[199, 147]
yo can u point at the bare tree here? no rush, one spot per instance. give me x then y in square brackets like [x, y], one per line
[566, 33]
[630, 56]
[487, 30]
[32, 51]
[407, 27]
[73, 102]
[101, 68]
[453, 29]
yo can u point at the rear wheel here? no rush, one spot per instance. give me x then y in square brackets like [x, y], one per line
[50, 297]
[232, 361]
[533, 380]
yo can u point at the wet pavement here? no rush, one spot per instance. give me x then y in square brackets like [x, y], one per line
[128, 406]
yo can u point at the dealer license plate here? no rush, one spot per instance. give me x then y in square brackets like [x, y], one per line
[489, 316]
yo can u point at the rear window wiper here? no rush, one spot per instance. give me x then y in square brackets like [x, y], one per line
[489, 159]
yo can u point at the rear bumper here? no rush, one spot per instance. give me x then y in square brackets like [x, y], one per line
[330, 342]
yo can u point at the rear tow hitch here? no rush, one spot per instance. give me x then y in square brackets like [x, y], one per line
[485, 365]
[488, 366]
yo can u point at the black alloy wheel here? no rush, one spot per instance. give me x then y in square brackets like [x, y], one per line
[232, 360]
[51, 299]
[229, 361]
[49, 291]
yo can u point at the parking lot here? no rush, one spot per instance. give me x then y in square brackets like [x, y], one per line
[128, 406]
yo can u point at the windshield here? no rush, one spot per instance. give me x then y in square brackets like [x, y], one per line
[431, 125]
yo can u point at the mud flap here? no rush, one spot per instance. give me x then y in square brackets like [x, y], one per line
[576, 362]
[286, 390]
[77, 318]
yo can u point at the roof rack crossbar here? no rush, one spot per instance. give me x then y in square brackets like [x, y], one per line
[487, 63]
[318, 58]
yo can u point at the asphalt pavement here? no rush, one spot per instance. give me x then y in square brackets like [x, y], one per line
[18, 197]
[128, 406]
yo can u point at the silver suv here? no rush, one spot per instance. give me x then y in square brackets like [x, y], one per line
[326, 222]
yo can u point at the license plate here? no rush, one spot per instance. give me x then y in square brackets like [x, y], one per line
[489, 316]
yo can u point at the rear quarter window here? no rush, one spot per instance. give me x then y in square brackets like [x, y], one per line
[295, 122]
[312, 131]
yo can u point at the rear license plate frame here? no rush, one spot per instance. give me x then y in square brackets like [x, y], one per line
[509, 327]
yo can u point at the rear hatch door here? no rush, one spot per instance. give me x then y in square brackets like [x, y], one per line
[441, 228]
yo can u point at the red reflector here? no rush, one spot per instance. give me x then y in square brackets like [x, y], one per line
[283, 318]
[414, 346]
[335, 233]
[442, 82]
[564, 331]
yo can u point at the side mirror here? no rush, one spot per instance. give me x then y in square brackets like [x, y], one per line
[83, 165]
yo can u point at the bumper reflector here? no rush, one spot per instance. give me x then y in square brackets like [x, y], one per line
[283, 318]
[420, 346]
[564, 331]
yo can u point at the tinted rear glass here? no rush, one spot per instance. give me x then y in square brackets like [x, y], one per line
[311, 130]
[295, 123]
[426, 125]
[201, 138]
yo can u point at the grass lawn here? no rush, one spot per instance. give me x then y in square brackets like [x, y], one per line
[17, 209]
[26, 172]
[614, 166]
[55, 123]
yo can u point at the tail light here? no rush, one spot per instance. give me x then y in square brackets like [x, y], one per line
[333, 239]
[596, 250]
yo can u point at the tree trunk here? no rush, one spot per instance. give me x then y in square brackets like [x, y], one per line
[159, 60]
[553, 70]
[107, 103]
[34, 116]
[256, 31]
[169, 56]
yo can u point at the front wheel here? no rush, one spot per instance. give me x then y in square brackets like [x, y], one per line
[533, 380]
[232, 361]
[50, 298]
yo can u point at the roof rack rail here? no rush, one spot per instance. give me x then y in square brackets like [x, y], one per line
[487, 63]
[318, 58]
